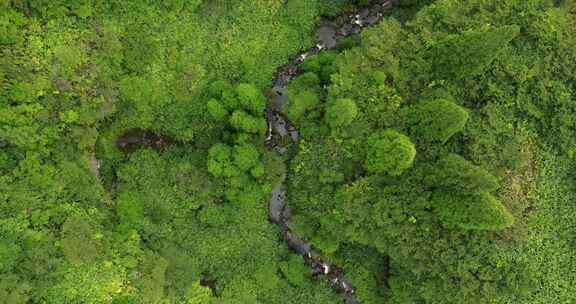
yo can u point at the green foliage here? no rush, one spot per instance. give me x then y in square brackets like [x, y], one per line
[224, 161]
[300, 103]
[198, 294]
[129, 210]
[153, 278]
[389, 152]
[251, 98]
[341, 112]
[321, 65]
[245, 122]
[303, 97]
[246, 156]
[80, 240]
[217, 110]
[13, 290]
[294, 269]
[187, 223]
[436, 120]
[219, 160]
[479, 211]
[9, 255]
[468, 54]
[453, 172]
[245, 102]
[94, 283]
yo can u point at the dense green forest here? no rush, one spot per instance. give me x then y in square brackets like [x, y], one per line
[436, 159]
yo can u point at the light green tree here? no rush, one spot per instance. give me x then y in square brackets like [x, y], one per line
[341, 112]
[478, 211]
[389, 152]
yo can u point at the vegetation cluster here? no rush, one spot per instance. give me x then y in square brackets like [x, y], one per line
[435, 165]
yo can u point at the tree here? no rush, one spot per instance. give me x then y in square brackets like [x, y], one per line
[322, 65]
[220, 161]
[152, 281]
[454, 173]
[389, 152]
[300, 103]
[216, 110]
[306, 81]
[468, 54]
[251, 98]
[214, 215]
[130, 210]
[243, 121]
[479, 211]
[9, 255]
[303, 95]
[341, 112]
[436, 120]
[198, 294]
[295, 270]
[80, 240]
[13, 289]
[246, 156]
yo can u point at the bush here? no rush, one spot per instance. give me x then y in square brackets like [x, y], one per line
[389, 152]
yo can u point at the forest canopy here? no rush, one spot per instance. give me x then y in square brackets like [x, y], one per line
[433, 161]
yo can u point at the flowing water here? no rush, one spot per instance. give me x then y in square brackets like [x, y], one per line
[328, 33]
[279, 128]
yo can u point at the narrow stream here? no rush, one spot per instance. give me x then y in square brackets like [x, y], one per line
[328, 32]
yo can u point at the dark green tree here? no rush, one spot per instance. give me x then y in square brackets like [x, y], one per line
[9, 255]
[454, 173]
[436, 120]
[246, 157]
[81, 241]
[322, 65]
[468, 54]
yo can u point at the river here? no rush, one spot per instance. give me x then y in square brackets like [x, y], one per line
[328, 33]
